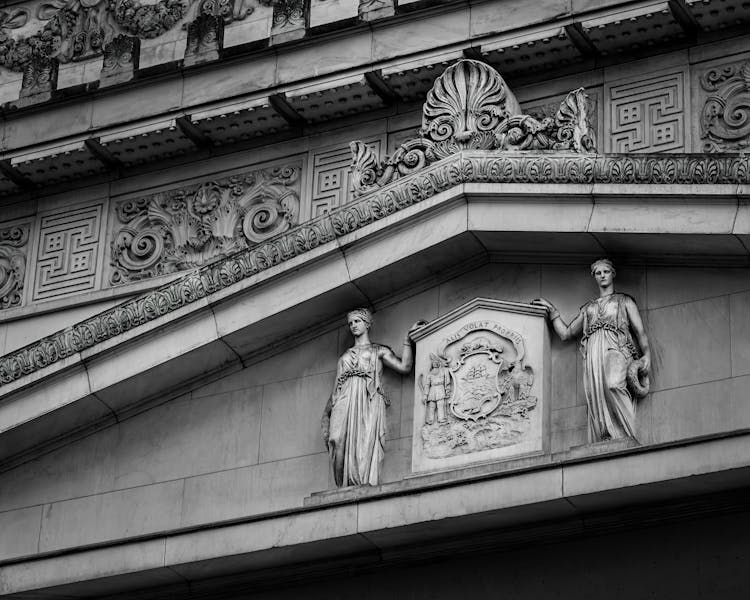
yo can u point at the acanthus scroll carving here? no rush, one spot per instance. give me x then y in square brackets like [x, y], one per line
[189, 227]
[13, 246]
[470, 107]
[725, 118]
[71, 30]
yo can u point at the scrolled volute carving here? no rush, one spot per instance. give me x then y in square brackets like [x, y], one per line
[72, 30]
[13, 241]
[189, 227]
[725, 117]
[470, 107]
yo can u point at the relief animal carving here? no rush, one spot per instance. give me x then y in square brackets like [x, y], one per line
[470, 107]
[188, 227]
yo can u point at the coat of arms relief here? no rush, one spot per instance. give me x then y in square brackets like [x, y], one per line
[479, 389]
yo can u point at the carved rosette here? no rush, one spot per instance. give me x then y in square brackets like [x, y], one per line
[725, 118]
[189, 227]
[470, 107]
[13, 247]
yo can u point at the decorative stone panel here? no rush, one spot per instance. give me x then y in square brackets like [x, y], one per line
[646, 114]
[332, 177]
[14, 241]
[724, 92]
[481, 385]
[370, 10]
[289, 20]
[120, 63]
[193, 225]
[548, 107]
[67, 257]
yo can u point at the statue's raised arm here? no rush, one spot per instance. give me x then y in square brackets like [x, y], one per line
[617, 356]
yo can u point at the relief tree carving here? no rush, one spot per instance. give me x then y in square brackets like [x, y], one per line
[13, 241]
[470, 107]
[191, 226]
[725, 118]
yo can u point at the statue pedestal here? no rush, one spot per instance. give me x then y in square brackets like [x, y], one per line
[481, 386]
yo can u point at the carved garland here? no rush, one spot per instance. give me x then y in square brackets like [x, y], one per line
[466, 167]
[78, 29]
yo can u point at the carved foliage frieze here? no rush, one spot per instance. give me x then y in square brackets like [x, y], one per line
[193, 225]
[470, 107]
[725, 117]
[70, 30]
[13, 255]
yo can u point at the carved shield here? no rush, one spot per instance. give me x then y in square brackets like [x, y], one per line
[475, 367]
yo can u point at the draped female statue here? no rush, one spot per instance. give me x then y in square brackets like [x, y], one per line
[616, 354]
[354, 423]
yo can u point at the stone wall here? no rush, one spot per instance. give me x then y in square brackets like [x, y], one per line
[250, 443]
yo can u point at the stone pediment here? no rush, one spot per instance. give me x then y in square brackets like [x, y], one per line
[475, 154]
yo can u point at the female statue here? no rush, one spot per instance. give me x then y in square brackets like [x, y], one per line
[354, 423]
[613, 362]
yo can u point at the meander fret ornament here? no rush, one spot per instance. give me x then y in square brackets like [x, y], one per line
[481, 385]
[470, 107]
[616, 356]
[354, 420]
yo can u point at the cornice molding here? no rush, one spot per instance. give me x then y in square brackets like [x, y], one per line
[477, 166]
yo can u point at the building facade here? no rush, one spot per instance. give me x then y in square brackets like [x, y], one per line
[195, 195]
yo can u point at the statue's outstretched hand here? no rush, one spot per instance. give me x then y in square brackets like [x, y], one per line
[416, 326]
[543, 302]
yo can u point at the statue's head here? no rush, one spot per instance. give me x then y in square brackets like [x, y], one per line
[603, 270]
[359, 314]
[603, 262]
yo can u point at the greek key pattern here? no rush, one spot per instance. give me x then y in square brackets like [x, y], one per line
[332, 178]
[464, 167]
[68, 253]
[647, 115]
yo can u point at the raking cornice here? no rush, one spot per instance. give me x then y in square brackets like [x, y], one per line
[466, 167]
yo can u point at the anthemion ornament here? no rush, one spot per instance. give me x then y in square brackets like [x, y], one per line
[470, 107]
